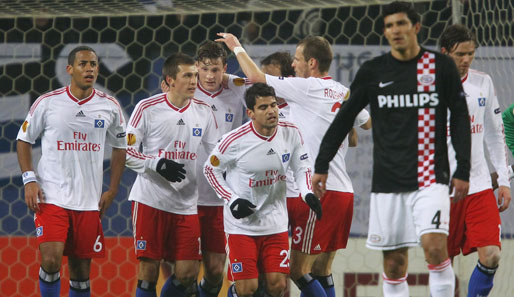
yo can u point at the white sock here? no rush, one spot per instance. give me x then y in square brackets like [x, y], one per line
[395, 287]
[441, 279]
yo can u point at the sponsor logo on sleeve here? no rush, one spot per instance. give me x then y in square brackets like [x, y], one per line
[131, 139]
[229, 117]
[39, 231]
[497, 111]
[285, 157]
[25, 126]
[141, 245]
[197, 131]
[237, 267]
[238, 81]
[214, 161]
[121, 135]
[304, 156]
[99, 123]
[481, 101]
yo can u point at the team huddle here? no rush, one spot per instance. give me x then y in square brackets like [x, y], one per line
[229, 167]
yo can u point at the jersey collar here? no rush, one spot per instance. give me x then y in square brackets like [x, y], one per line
[212, 95]
[182, 109]
[79, 101]
[326, 77]
[463, 79]
[267, 138]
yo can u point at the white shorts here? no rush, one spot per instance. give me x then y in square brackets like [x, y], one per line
[399, 220]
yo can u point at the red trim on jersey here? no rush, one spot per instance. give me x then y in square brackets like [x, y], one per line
[308, 176]
[50, 94]
[139, 112]
[282, 105]
[326, 77]
[131, 151]
[215, 184]
[268, 138]
[79, 101]
[291, 125]
[212, 95]
[182, 109]
[104, 95]
[200, 102]
[233, 136]
[463, 79]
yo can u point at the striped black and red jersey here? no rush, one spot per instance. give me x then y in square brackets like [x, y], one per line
[409, 103]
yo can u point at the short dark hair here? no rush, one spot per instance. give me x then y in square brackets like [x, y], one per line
[257, 90]
[399, 7]
[281, 59]
[212, 50]
[170, 67]
[455, 34]
[318, 48]
[73, 54]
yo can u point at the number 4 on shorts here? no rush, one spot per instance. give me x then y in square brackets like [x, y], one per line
[436, 220]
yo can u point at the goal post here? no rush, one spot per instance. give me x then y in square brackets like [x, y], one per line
[132, 39]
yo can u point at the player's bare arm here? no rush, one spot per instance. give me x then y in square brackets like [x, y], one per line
[248, 66]
[353, 138]
[461, 188]
[118, 157]
[32, 189]
[503, 198]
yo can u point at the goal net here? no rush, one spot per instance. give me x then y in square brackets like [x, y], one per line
[132, 39]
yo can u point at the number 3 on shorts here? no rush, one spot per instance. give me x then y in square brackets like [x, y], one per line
[297, 235]
[436, 220]
[98, 245]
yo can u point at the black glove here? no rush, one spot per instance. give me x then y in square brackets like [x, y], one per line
[171, 170]
[241, 208]
[313, 202]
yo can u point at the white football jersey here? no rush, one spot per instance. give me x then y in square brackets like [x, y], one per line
[74, 134]
[314, 104]
[292, 188]
[486, 127]
[228, 107]
[256, 169]
[165, 131]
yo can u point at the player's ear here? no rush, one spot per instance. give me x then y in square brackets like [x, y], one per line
[225, 68]
[444, 51]
[69, 69]
[250, 114]
[418, 27]
[170, 81]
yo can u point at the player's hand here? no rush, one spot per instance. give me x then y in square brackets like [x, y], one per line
[241, 208]
[32, 192]
[230, 40]
[314, 203]
[461, 188]
[503, 198]
[319, 183]
[171, 170]
[106, 201]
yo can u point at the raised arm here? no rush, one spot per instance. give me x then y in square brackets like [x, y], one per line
[248, 66]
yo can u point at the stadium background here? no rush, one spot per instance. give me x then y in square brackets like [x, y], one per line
[132, 39]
